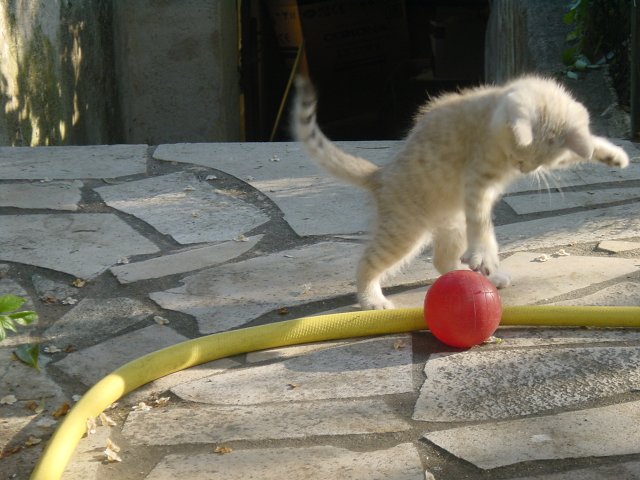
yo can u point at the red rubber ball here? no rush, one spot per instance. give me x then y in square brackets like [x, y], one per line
[462, 308]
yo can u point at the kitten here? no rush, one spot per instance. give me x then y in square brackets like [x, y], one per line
[462, 151]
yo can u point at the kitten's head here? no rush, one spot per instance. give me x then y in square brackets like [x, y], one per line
[541, 125]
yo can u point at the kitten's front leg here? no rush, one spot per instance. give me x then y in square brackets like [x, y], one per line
[608, 153]
[482, 247]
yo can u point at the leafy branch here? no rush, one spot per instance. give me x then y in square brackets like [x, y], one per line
[8, 320]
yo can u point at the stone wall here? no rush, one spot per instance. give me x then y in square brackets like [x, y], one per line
[177, 70]
[55, 64]
[118, 71]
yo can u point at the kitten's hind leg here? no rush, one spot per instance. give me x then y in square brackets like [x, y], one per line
[390, 247]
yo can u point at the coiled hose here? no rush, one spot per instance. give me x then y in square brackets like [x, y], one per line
[293, 332]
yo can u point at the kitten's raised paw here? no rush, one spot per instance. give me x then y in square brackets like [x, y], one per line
[611, 155]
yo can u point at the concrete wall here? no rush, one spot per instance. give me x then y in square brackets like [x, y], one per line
[118, 71]
[55, 80]
[177, 70]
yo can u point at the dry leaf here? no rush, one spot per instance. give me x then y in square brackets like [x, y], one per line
[542, 258]
[35, 407]
[160, 320]
[8, 400]
[561, 253]
[62, 410]
[399, 344]
[161, 402]
[291, 386]
[222, 449]
[51, 349]
[143, 407]
[241, 238]
[69, 301]
[79, 283]
[112, 451]
[10, 451]
[106, 421]
[112, 445]
[283, 311]
[31, 441]
[91, 426]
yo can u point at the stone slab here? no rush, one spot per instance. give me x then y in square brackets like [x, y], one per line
[313, 202]
[618, 246]
[401, 462]
[164, 384]
[93, 363]
[596, 432]
[489, 385]
[52, 289]
[182, 262]
[622, 294]
[230, 295]
[94, 161]
[547, 202]
[87, 456]
[95, 319]
[49, 195]
[609, 223]
[534, 281]
[289, 352]
[358, 369]
[621, 470]
[26, 384]
[180, 205]
[83, 244]
[209, 424]
[539, 336]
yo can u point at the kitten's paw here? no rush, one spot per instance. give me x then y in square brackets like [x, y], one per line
[612, 155]
[480, 261]
[379, 304]
[500, 279]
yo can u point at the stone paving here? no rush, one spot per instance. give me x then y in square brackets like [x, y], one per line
[177, 241]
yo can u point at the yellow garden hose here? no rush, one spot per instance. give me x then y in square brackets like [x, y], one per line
[293, 332]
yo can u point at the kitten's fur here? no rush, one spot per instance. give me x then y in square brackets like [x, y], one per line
[463, 149]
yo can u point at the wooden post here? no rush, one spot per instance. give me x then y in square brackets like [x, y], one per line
[635, 71]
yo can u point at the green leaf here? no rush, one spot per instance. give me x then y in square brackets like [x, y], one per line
[24, 318]
[3, 333]
[569, 55]
[28, 354]
[9, 326]
[569, 17]
[9, 303]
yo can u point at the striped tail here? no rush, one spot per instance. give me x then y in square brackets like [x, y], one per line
[339, 163]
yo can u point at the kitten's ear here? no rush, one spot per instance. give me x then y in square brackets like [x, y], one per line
[522, 131]
[511, 114]
[580, 143]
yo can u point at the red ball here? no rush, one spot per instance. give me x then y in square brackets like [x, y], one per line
[462, 308]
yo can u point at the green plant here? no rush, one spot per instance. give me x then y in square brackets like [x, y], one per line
[8, 320]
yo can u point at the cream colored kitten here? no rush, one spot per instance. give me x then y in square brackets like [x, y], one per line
[462, 151]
